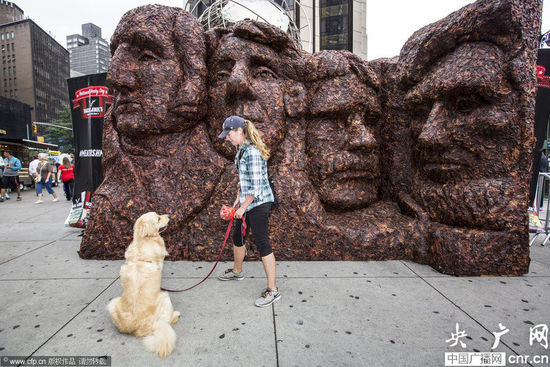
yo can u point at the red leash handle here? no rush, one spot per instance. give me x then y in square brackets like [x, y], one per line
[217, 261]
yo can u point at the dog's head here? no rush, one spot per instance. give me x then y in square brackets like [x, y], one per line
[149, 224]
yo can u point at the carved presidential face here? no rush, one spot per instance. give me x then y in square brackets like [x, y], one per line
[465, 129]
[245, 80]
[153, 92]
[341, 145]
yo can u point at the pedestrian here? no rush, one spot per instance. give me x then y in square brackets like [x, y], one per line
[32, 167]
[45, 170]
[253, 203]
[66, 172]
[2, 166]
[11, 175]
[543, 168]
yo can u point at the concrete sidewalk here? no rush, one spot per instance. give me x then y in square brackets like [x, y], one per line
[390, 313]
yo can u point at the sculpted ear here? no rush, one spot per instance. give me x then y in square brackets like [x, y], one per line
[295, 99]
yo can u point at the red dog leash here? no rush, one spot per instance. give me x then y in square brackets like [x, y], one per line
[227, 214]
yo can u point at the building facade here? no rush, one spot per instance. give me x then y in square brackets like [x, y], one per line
[89, 53]
[9, 12]
[34, 69]
[323, 24]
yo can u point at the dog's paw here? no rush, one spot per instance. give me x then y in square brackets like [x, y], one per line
[175, 317]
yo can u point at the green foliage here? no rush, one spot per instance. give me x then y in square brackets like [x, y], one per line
[63, 138]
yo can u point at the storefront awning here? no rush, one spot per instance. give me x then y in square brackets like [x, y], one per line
[36, 144]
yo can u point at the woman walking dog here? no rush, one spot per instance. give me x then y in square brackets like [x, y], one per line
[254, 200]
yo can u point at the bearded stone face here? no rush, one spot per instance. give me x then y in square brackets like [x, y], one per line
[464, 124]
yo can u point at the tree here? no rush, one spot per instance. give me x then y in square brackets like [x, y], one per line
[62, 137]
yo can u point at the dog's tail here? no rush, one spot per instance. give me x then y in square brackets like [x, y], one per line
[162, 341]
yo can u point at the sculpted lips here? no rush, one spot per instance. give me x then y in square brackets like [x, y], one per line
[354, 167]
[438, 167]
[126, 105]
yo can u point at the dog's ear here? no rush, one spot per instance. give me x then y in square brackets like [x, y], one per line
[146, 228]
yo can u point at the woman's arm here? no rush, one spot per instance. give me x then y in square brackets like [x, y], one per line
[237, 200]
[239, 213]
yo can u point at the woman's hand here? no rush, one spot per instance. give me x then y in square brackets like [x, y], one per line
[239, 213]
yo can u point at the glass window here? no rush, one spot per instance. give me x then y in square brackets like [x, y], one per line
[331, 11]
[12, 35]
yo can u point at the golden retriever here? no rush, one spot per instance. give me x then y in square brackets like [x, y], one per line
[143, 310]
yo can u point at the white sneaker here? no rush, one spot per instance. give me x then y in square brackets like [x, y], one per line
[39, 201]
[55, 199]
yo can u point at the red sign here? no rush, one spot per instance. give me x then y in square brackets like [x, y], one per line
[541, 70]
[543, 81]
[92, 101]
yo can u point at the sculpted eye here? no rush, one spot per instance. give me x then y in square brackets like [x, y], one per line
[421, 111]
[467, 104]
[265, 73]
[222, 74]
[147, 55]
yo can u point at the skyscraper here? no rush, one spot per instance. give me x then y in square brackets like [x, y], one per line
[89, 53]
[34, 65]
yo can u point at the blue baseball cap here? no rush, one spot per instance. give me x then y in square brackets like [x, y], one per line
[230, 123]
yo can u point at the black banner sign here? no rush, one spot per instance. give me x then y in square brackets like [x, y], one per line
[542, 113]
[90, 98]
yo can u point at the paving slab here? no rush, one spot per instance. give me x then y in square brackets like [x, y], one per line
[34, 310]
[519, 303]
[11, 250]
[367, 322]
[343, 269]
[33, 232]
[541, 255]
[219, 326]
[58, 260]
[199, 269]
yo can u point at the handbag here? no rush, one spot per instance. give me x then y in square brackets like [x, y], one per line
[38, 177]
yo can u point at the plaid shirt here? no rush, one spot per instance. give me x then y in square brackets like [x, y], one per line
[253, 180]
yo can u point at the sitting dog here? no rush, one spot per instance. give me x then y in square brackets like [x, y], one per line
[143, 310]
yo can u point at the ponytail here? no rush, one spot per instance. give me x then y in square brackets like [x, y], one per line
[252, 134]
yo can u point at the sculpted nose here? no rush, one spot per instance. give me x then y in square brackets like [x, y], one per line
[434, 132]
[238, 85]
[122, 71]
[360, 137]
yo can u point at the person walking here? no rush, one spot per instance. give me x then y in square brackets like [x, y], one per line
[66, 172]
[11, 176]
[32, 169]
[252, 204]
[45, 170]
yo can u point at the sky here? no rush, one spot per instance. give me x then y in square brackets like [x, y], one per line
[389, 22]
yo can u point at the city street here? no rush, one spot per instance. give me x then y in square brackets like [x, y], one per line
[387, 313]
